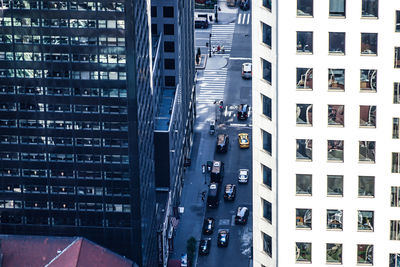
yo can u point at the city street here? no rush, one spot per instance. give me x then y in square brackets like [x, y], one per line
[220, 80]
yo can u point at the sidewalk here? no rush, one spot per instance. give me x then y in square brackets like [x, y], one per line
[191, 221]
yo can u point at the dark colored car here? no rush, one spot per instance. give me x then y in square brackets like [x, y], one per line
[242, 215]
[200, 23]
[230, 192]
[208, 226]
[204, 247]
[222, 143]
[223, 238]
[243, 111]
[244, 4]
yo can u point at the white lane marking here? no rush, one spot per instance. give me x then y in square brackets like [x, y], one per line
[240, 18]
[233, 220]
[240, 58]
[248, 19]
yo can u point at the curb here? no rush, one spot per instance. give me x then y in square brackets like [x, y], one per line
[203, 62]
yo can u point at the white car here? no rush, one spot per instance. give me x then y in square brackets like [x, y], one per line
[246, 70]
[243, 176]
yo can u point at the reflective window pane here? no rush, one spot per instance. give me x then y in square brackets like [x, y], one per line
[334, 219]
[337, 42]
[304, 149]
[303, 184]
[334, 253]
[367, 151]
[303, 218]
[304, 42]
[304, 78]
[305, 8]
[336, 79]
[369, 8]
[365, 220]
[366, 186]
[336, 115]
[337, 8]
[304, 114]
[368, 79]
[335, 185]
[335, 150]
[303, 252]
[367, 116]
[365, 254]
[369, 43]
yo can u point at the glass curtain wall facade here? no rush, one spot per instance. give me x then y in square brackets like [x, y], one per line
[76, 123]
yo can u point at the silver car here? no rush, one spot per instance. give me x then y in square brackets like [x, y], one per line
[243, 176]
[246, 70]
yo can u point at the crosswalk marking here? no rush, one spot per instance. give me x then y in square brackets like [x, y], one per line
[212, 85]
[222, 35]
[245, 19]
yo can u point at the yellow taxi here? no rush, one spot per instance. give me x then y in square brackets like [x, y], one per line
[244, 141]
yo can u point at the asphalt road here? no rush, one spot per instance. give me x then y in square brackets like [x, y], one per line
[237, 91]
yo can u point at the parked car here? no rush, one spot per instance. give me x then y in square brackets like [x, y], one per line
[208, 226]
[246, 70]
[243, 176]
[244, 4]
[223, 238]
[231, 3]
[200, 23]
[204, 246]
[243, 112]
[230, 192]
[244, 141]
[242, 215]
[222, 143]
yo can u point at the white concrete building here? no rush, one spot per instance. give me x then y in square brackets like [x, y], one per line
[326, 164]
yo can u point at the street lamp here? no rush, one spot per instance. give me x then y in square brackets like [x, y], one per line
[209, 45]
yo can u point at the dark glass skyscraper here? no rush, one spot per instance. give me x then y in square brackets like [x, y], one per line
[76, 123]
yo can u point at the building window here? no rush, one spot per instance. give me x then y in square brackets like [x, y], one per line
[395, 162]
[304, 184]
[394, 260]
[267, 176]
[154, 29]
[303, 218]
[267, 141]
[335, 185]
[304, 78]
[303, 252]
[366, 186]
[266, 70]
[168, 12]
[394, 230]
[368, 80]
[397, 57]
[337, 8]
[397, 21]
[267, 244]
[169, 63]
[366, 151]
[334, 219]
[153, 11]
[304, 149]
[396, 93]
[267, 108]
[304, 42]
[365, 220]
[335, 115]
[304, 114]
[365, 254]
[169, 46]
[368, 116]
[395, 133]
[337, 43]
[267, 210]
[169, 29]
[335, 150]
[336, 79]
[266, 34]
[170, 81]
[267, 4]
[369, 43]
[395, 196]
[369, 8]
[305, 8]
[334, 253]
